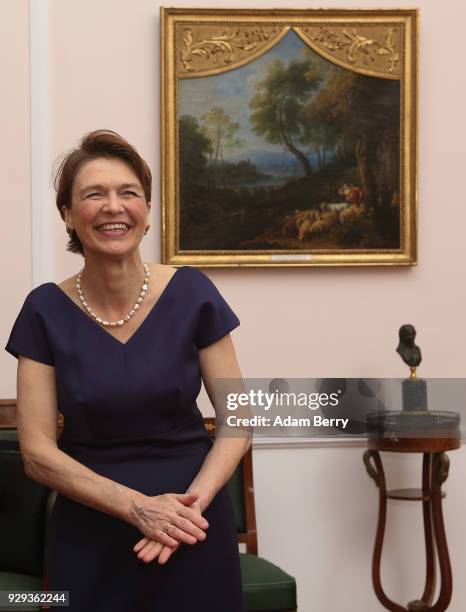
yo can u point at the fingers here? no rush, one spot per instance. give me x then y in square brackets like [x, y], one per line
[164, 538]
[166, 519]
[183, 525]
[148, 550]
[187, 527]
[192, 515]
[165, 554]
[151, 551]
[186, 498]
[139, 545]
[180, 535]
[170, 536]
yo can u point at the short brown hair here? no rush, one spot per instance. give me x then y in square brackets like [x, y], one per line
[100, 143]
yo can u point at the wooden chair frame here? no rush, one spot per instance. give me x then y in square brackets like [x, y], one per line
[249, 537]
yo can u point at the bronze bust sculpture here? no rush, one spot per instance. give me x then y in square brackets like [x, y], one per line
[414, 390]
[409, 352]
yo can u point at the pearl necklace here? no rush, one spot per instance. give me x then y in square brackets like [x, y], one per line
[130, 314]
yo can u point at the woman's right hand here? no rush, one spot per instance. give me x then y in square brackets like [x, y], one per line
[168, 519]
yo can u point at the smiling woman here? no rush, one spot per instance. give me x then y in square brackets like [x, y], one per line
[102, 154]
[142, 515]
[101, 188]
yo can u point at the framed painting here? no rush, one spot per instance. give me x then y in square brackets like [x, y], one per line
[289, 137]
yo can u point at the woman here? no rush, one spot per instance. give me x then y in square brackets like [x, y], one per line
[142, 521]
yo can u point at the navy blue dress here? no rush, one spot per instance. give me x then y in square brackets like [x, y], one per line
[130, 414]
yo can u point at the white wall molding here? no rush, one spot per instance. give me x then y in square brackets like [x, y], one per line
[282, 443]
[41, 189]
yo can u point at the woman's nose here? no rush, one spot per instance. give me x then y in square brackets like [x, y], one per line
[113, 202]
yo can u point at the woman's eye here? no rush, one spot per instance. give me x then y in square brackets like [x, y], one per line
[93, 195]
[131, 193]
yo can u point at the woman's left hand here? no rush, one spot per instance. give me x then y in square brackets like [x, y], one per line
[148, 550]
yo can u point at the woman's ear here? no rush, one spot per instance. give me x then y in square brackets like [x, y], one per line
[66, 214]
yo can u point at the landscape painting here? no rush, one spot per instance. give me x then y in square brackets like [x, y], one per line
[289, 154]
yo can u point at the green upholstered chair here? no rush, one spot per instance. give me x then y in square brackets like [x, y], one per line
[23, 516]
[266, 587]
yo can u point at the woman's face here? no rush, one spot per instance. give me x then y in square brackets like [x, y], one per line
[107, 191]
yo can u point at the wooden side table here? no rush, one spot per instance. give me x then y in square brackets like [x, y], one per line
[434, 472]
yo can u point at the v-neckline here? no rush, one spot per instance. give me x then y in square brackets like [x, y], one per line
[153, 309]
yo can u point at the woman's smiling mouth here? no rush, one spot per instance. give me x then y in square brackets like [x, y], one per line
[113, 229]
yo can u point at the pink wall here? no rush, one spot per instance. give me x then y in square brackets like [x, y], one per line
[14, 171]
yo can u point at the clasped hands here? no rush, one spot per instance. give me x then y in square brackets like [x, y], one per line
[167, 521]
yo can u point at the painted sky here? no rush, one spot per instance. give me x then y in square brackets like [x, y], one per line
[233, 89]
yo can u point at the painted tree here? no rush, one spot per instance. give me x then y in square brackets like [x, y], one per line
[364, 114]
[195, 150]
[278, 106]
[219, 128]
[320, 136]
[221, 131]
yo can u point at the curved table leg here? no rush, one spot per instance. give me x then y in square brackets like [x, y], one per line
[440, 467]
[429, 588]
[376, 472]
[434, 473]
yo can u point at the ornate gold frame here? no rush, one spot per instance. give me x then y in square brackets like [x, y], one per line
[376, 42]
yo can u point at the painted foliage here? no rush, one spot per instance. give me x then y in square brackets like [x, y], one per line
[289, 151]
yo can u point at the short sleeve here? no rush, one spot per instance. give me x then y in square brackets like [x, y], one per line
[216, 318]
[28, 336]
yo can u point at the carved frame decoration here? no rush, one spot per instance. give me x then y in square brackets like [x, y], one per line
[374, 42]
